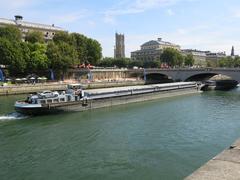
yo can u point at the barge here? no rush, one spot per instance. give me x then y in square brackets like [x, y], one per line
[77, 99]
[226, 84]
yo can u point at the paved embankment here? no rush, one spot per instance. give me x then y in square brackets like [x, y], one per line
[226, 165]
[26, 88]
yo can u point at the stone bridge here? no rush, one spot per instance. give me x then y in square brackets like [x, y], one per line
[184, 74]
[180, 74]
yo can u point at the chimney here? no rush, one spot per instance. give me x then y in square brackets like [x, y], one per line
[18, 18]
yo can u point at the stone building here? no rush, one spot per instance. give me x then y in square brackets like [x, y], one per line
[152, 50]
[204, 58]
[25, 27]
[200, 57]
[119, 50]
[213, 58]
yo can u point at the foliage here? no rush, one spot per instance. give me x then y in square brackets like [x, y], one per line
[135, 63]
[38, 59]
[61, 56]
[114, 62]
[34, 37]
[121, 62]
[229, 62]
[172, 57]
[12, 56]
[106, 62]
[151, 64]
[80, 44]
[33, 56]
[11, 33]
[62, 37]
[94, 51]
[189, 60]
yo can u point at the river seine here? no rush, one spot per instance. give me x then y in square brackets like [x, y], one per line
[163, 139]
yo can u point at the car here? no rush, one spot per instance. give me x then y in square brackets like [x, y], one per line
[46, 94]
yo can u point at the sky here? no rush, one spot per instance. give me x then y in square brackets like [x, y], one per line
[193, 24]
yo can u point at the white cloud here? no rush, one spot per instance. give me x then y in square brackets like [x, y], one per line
[15, 3]
[138, 6]
[64, 18]
[202, 37]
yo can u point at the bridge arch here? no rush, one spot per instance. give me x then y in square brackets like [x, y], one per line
[200, 77]
[205, 76]
[158, 78]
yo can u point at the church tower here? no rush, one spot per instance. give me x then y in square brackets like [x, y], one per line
[119, 50]
[232, 52]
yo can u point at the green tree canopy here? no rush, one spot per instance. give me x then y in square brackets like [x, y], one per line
[106, 62]
[61, 56]
[60, 37]
[38, 59]
[189, 60]
[151, 64]
[135, 63]
[11, 33]
[11, 54]
[229, 62]
[80, 44]
[94, 51]
[172, 57]
[121, 62]
[34, 37]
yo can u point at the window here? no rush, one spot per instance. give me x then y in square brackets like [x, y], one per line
[55, 100]
[49, 101]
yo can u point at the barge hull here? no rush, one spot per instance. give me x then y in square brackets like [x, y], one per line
[113, 101]
[109, 97]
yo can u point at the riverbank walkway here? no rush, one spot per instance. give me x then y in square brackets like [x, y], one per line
[59, 86]
[225, 166]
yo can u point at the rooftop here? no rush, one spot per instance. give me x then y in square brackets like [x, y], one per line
[19, 22]
[159, 41]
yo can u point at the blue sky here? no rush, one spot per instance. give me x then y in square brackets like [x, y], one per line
[199, 24]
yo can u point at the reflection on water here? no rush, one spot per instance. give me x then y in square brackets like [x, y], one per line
[162, 139]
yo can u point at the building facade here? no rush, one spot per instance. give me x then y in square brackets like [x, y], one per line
[152, 50]
[200, 57]
[119, 50]
[213, 58]
[25, 27]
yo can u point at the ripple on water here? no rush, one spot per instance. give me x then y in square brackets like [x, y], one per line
[12, 116]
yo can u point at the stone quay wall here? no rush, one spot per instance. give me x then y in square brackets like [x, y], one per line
[225, 165]
[26, 89]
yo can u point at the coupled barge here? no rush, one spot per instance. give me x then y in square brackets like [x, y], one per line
[77, 99]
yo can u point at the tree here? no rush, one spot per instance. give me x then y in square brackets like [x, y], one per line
[179, 59]
[94, 51]
[135, 63]
[60, 37]
[80, 45]
[61, 57]
[172, 57]
[151, 64]
[121, 62]
[38, 58]
[189, 60]
[12, 56]
[106, 62]
[11, 33]
[34, 37]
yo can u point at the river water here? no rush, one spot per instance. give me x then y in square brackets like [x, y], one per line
[163, 139]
